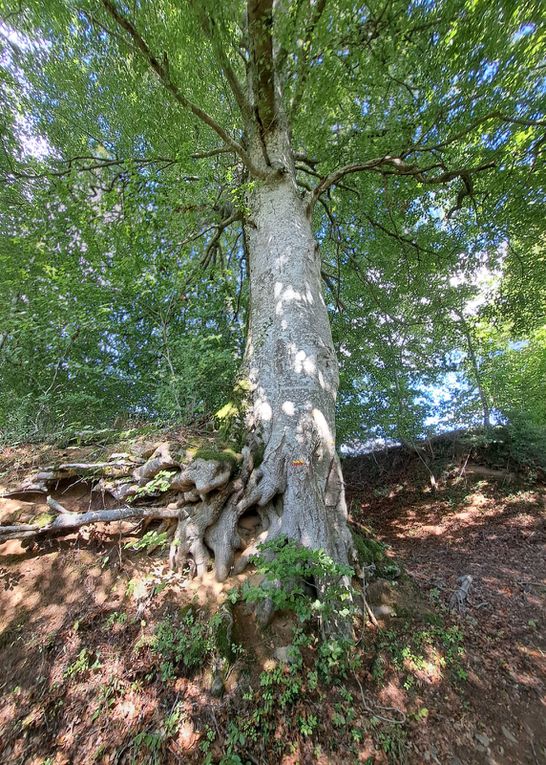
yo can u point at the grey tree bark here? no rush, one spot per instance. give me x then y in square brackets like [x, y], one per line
[292, 369]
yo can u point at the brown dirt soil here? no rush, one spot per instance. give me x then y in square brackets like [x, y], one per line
[80, 683]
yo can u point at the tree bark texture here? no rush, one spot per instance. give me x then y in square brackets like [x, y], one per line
[292, 369]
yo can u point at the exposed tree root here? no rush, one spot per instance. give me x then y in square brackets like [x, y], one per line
[202, 502]
[66, 522]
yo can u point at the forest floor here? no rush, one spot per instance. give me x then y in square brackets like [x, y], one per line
[89, 665]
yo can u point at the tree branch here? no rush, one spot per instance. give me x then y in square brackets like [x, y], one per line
[209, 27]
[220, 228]
[303, 61]
[96, 163]
[211, 152]
[66, 522]
[388, 165]
[473, 125]
[162, 71]
[260, 24]
[395, 235]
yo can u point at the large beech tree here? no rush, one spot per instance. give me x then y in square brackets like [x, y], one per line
[268, 128]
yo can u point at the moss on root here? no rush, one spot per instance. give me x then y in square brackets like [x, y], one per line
[218, 455]
[43, 519]
[372, 552]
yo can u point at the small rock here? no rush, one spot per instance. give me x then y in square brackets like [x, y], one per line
[482, 739]
[508, 734]
[282, 654]
[380, 611]
[217, 685]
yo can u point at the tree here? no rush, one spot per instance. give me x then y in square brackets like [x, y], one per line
[292, 123]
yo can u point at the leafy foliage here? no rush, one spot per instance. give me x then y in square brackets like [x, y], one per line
[123, 297]
[290, 572]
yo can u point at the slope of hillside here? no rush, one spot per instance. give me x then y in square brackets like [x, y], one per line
[95, 670]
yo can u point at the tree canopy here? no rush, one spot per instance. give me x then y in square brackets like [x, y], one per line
[418, 130]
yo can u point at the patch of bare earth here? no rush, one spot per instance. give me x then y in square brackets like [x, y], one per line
[485, 524]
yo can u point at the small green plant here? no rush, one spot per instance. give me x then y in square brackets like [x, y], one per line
[151, 742]
[84, 663]
[302, 572]
[393, 740]
[187, 643]
[159, 484]
[431, 651]
[116, 617]
[307, 724]
[149, 541]
[107, 696]
[206, 744]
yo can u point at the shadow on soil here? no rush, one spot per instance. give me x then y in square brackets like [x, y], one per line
[80, 684]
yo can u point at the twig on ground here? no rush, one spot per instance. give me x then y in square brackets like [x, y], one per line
[460, 596]
[66, 522]
[370, 710]
[365, 571]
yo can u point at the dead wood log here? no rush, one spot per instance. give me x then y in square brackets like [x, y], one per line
[40, 482]
[66, 522]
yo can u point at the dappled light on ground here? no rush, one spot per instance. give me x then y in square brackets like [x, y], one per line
[83, 681]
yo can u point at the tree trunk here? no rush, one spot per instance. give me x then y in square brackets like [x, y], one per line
[292, 369]
[291, 473]
[486, 412]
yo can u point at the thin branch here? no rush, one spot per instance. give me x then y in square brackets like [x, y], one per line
[302, 168]
[96, 163]
[66, 522]
[475, 124]
[333, 285]
[111, 32]
[395, 235]
[303, 61]
[211, 152]
[162, 71]
[301, 157]
[388, 165]
[214, 242]
[341, 172]
[210, 28]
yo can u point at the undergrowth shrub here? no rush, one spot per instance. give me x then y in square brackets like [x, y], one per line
[316, 590]
[305, 581]
[187, 643]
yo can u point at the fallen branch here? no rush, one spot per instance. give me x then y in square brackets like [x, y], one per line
[400, 720]
[365, 571]
[66, 522]
[459, 598]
